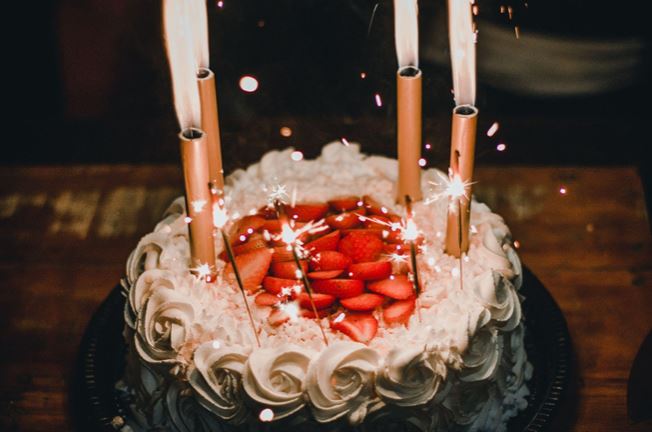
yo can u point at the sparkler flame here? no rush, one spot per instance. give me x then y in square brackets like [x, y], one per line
[406, 32]
[452, 187]
[183, 68]
[462, 48]
[199, 28]
[198, 205]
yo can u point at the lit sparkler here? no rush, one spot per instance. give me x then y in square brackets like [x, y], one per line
[410, 234]
[220, 217]
[290, 237]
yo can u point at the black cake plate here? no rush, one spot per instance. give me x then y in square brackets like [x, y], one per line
[98, 406]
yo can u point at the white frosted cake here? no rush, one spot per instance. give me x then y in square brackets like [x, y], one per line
[451, 358]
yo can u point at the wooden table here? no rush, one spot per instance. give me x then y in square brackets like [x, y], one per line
[66, 233]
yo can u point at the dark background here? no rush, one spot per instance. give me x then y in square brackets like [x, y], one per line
[90, 80]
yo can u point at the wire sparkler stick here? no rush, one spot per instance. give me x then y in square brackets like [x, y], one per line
[219, 220]
[410, 234]
[289, 237]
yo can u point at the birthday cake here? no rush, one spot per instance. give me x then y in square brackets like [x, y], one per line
[364, 344]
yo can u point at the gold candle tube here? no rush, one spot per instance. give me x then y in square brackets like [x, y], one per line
[408, 88]
[210, 125]
[463, 135]
[198, 198]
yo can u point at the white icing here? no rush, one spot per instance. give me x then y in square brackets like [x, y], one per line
[340, 381]
[410, 376]
[274, 378]
[217, 379]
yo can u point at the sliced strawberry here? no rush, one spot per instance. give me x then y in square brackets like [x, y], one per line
[374, 207]
[249, 224]
[363, 302]
[268, 212]
[267, 299]
[370, 270]
[345, 203]
[359, 327]
[321, 300]
[277, 317]
[253, 267]
[396, 286]
[256, 241]
[361, 247]
[274, 285]
[377, 222]
[281, 254]
[330, 274]
[340, 288]
[327, 242]
[344, 220]
[272, 225]
[329, 260]
[308, 313]
[307, 212]
[396, 248]
[370, 231]
[399, 312]
[288, 269]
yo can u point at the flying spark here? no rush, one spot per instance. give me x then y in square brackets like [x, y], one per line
[379, 102]
[493, 129]
[248, 83]
[501, 147]
[285, 132]
[198, 205]
[266, 415]
[296, 156]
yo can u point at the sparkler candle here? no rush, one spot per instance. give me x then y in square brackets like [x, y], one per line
[464, 124]
[207, 90]
[219, 221]
[408, 95]
[192, 139]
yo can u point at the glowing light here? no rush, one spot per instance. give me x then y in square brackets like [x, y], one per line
[563, 190]
[428, 146]
[501, 147]
[242, 237]
[248, 84]
[287, 235]
[339, 318]
[410, 232]
[406, 32]
[187, 219]
[220, 4]
[517, 244]
[291, 309]
[203, 271]
[266, 415]
[296, 156]
[363, 75]
[216, 344]
[397, 258]
[345, 142]
[493, 129]
[220, 217]
[379, 101]
[278, 192]
[456, 188]
[286, 132]
[422, 162]
[198, 205]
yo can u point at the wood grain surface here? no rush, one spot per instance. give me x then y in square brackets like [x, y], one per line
[66, 233]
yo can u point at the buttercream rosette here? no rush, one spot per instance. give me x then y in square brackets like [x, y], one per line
[340, 382]
[274, 377]
[184, 413]
[217, 380]
[165, 324]
[410, 376]
[482, 357]
[499, 297]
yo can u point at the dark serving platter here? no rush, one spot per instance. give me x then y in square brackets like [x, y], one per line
[98, 406]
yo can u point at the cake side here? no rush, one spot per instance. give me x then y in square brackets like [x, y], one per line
[193, 358]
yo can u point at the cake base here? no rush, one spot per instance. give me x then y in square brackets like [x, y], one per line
[99, 406]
